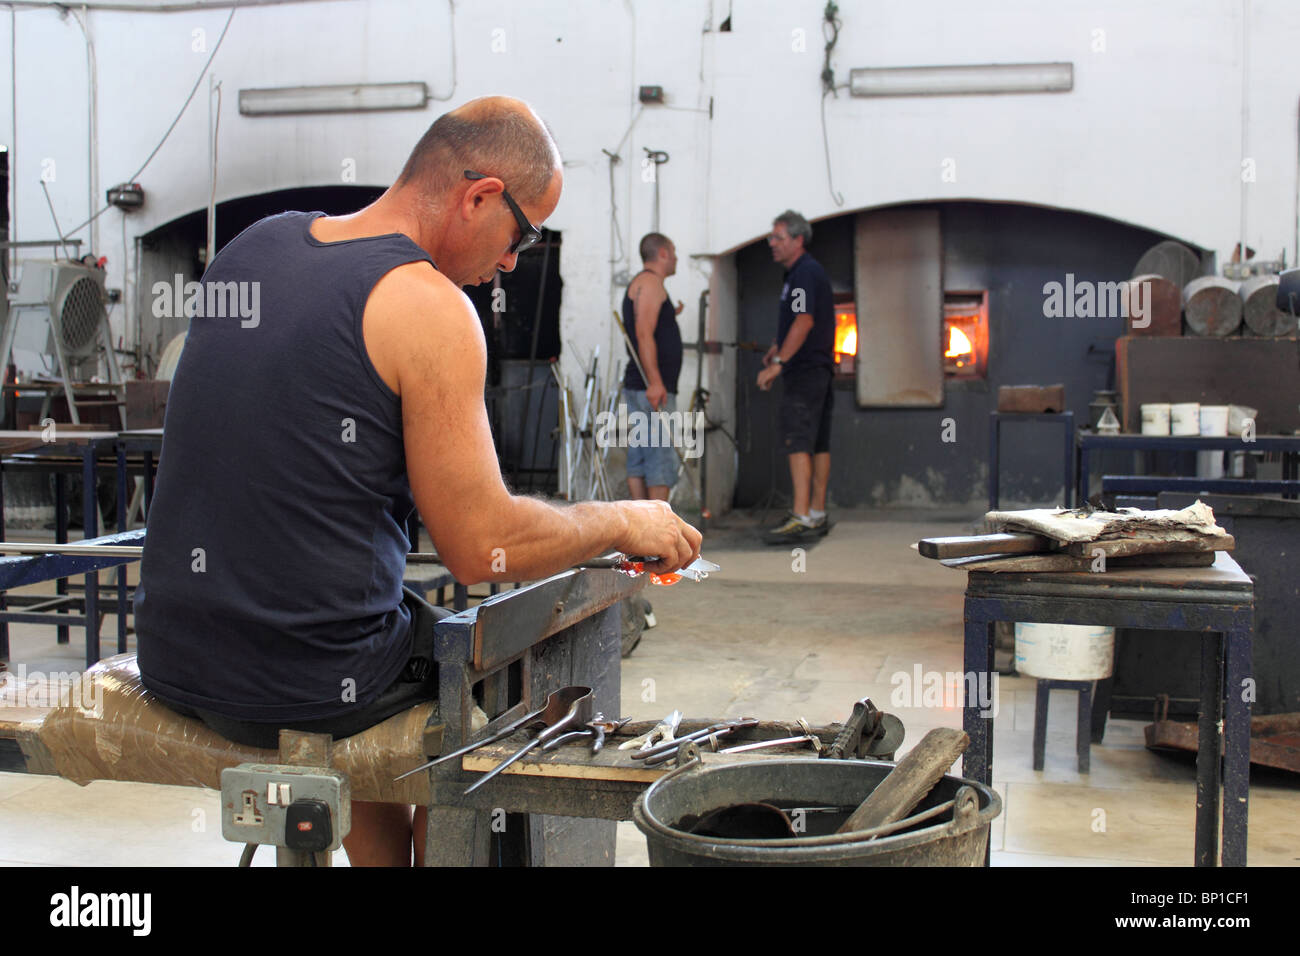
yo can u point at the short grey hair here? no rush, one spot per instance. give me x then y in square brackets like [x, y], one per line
[494, 135]
[795, 225]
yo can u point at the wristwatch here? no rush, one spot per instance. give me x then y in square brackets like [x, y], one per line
[776, 360]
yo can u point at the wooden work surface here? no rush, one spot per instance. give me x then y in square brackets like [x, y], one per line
[1225, 577]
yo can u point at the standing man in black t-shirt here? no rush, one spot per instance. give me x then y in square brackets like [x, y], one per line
[803, 355]
[651, 322]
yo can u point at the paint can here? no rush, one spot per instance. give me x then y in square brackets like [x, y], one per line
[1185, 418]
[1214, 424]
[1065, 651]
[1155, 418]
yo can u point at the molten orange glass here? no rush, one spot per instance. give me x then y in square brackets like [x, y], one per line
[846, 333]
[958, 343]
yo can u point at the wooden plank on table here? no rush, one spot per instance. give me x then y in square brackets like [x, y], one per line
[1170, 542]
[1070, 562]
[963, 546]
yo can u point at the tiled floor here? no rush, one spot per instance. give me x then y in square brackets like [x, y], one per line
[763, 639]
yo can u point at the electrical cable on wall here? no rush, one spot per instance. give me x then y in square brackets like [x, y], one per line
[616, 234]
[184, 106]
[831, 32]
[212, 197]
[92, 128]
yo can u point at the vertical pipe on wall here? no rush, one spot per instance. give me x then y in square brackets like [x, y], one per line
[212, 177]
[13, 139]
[1245, 115]
[92, 131]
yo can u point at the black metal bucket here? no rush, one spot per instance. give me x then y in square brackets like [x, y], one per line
[953, 835]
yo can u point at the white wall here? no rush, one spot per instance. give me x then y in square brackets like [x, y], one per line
[1151, 134]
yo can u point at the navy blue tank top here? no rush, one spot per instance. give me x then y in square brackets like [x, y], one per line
[271, 583]
[668, 346]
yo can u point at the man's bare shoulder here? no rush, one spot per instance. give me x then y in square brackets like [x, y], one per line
[647, 285]
[414, 315]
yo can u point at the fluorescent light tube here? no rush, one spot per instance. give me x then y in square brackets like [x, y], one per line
[962, 80]
[348, 98]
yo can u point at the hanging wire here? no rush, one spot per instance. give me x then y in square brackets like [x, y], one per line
[184, 106]
[831, 33]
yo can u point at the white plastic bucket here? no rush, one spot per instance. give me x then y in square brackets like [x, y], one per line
[1214, 424]
[1065, 651]
[1155, 419]
[1185, 418]
[1214, 420]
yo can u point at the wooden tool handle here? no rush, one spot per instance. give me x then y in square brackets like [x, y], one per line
[968, 545]
[909, 781]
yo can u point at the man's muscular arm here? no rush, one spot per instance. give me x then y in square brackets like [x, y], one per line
[650, 297]
[425, 340]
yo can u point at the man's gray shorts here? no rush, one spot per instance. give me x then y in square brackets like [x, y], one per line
[657, 465]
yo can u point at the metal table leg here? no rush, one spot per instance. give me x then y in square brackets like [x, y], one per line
[4, 625]
[1081, 496]
[1208, 763]
[1236, 773]
[61, 536]
[978, 759]
[977, 762]
[1068, 493]
[995, 428]
[90, 527]
[121, 526]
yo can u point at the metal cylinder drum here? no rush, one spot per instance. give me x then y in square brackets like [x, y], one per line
[1155, 306]
[1260, 311]
[1212, 306]
[957, 837]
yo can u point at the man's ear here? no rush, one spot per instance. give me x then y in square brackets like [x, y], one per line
[476, 196]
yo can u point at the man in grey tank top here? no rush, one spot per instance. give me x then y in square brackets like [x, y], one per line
[380, 289]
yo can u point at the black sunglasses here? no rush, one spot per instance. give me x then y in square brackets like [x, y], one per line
[528, 233]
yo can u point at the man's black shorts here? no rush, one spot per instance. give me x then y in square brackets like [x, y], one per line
[417, 682]
[806, 403]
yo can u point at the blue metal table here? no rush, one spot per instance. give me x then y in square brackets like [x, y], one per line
[80, 451]
[1217, 601]
[1287, 445]
[1065, 419]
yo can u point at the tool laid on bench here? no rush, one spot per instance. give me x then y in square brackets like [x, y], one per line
[577, 714]
[597, 728]
[807, 737]
[661, 733]
[720, 729]
[556, 706]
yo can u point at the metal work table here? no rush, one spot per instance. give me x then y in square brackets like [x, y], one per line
[1288, 445]
[1217, 601]
[1065, 419]
[77, 449]
[505, 655]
